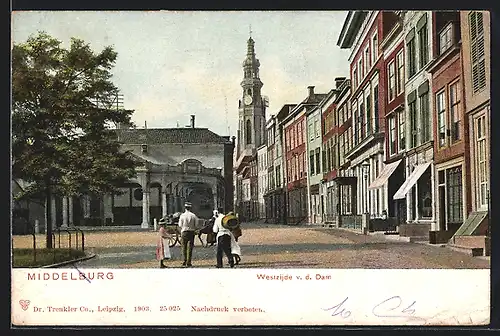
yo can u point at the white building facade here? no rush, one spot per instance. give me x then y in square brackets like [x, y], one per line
[314, 156]
[262, 179]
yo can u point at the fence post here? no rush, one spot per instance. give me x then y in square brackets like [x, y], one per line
[365, 222]
[76, 239]
[34, 248]
[37, 226]
[54, 246]
[83, 240]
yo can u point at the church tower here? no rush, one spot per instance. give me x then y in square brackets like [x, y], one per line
[252, 107]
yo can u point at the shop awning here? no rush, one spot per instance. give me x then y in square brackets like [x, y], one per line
[384, 175]
[411, 180]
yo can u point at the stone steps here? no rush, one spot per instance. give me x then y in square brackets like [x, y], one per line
[472, 251]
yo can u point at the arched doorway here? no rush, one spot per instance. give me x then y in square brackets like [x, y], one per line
[127, 205]
[155, 195]
[201, 197]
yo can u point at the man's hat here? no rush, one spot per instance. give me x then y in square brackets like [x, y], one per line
[230, 221]
[188, 205]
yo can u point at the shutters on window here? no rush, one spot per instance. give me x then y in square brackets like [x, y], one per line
[477, 51]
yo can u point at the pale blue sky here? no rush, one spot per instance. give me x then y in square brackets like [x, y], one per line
[173, 64]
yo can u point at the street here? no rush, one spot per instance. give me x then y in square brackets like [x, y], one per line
[277, 246]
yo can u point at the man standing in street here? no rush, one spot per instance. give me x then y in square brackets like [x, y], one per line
[188, 222]
[223, 241]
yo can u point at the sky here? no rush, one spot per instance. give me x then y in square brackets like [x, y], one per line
[172, 64]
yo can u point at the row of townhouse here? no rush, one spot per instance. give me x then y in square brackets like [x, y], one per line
[403, 144]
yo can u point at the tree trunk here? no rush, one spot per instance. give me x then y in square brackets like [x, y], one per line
[48, 218]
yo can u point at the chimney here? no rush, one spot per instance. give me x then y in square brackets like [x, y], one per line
[339, 81]
[192, 120]
[311, 91]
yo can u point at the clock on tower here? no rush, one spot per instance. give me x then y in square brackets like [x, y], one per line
[247, 100]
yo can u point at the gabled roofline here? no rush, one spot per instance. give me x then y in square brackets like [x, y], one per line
[323, 102]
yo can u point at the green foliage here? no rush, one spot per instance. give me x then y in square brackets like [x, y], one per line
[24, 257]
[61, 138]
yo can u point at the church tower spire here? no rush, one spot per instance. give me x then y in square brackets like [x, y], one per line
[252, 117]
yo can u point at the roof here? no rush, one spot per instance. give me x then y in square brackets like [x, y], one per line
[315, 98]
[169, 135]
[283, 112]
[351, 25]
[174, 155]
[310, 101]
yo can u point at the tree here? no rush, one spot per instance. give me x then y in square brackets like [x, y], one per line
[62, 141]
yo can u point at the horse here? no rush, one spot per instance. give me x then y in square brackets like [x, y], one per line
[208, 230]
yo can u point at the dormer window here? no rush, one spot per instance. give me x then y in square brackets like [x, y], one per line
[144, 148]
[446, 38]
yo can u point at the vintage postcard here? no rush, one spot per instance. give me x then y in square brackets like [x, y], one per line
[175, 168]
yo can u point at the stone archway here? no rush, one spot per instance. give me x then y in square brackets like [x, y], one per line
[155, 201]
[201, 196]
[127, 206]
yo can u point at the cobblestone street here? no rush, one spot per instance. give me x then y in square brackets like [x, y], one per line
[276, 246]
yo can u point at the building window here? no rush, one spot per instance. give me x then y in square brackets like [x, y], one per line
[423, 44]
[323, 157]
[441, 118]
[354, 114]
[311, 162]
[412, 69]
[360, 69]
[328, 164]
[401, 73]
[318, 161]
[294, 143]
[368, 61]
[294, 168]
[355, 77]
[299, 133]
[289, 170]
[335, 152]
[477, 51]
[375, 48]
[445, 38]
[248, 132]
[392, 135]
[301, 168]
[401, 130]
[375, 108]
[455, 115]
[361, 118]
[425, 117]
[304, 163]
[368, 114]
[481, 162]
[392, 80]
[316, 128]
[454, 195]
[311, 131]
[413, 123]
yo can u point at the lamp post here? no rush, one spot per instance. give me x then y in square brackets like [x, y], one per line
[366, 169]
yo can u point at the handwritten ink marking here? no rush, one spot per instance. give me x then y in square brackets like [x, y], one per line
[393, 304]
[409, 309]
[339, 310]
[299, 277]
[81, 273]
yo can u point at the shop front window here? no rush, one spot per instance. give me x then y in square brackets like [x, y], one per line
[425, 195]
